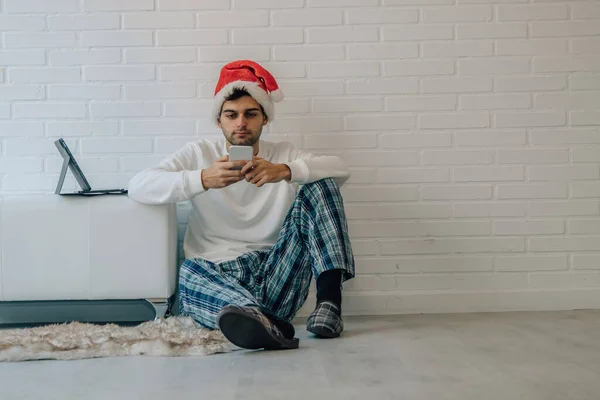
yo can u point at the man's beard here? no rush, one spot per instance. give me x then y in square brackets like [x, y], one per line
[247, 140]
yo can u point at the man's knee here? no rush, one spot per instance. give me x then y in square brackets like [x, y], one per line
[322, 186]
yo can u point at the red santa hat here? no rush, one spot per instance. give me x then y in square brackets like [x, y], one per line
[248, 75]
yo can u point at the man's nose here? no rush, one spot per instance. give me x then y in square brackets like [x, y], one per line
[242, 121]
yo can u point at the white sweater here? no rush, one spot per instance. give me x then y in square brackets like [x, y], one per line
[226, 223]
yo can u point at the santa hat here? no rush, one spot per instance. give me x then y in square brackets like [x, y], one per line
[248, 75]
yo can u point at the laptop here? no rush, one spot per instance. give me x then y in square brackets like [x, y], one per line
[71, 163]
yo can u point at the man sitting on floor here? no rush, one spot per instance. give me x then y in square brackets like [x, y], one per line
[258, 234]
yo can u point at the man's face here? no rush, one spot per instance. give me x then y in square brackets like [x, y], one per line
[242, 121]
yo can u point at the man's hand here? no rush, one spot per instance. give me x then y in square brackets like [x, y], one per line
[259, 171]
[221, 174]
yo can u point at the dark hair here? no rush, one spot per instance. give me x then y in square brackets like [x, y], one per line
[239, 93]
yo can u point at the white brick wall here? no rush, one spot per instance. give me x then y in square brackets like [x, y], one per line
[472, 127]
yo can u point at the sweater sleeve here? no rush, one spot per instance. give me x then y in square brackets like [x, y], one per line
[307, 167]
[176, 178]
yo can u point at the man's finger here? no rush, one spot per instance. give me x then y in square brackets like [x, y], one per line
[249, 165]
[222, 159]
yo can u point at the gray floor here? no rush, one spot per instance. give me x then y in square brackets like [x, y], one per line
[549, 355]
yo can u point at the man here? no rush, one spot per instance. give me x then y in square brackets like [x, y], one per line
[258, 234]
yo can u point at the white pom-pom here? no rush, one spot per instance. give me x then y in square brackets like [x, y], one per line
[276, 95]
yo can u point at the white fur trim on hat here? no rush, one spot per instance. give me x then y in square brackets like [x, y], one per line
[253, 89]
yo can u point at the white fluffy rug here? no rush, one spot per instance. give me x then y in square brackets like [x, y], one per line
[173, 336]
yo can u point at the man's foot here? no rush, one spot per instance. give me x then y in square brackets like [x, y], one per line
[249, 328]
[325, 321]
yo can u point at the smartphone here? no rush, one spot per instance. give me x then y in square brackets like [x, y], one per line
[240, 153]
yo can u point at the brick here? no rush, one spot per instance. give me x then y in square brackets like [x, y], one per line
[40, 6]
[196, 108]
[530, 119]
[88, 128]
[421, 103]
[414, 211]
[493, 282]
[464, 48]
[585, 46]
[414, 68]
[233, 19]
[30, 147]
[569, 136]
[421, 175]
[112, 146]
[192, 37]
[417, 32]
[585, 82]
[490, 138]
[586, 261]
[84, 92]
[49, 110]
[452, 246]
[401, 141]
[307, 17]
[4, 111]
[347, 34]
[416, 2]
[118, 5]
[584, 226]
[178, 73]
[499, 65]
[124, 109]
[83, 22]
[31, 183]
[343, 69]
[364, 247]
[185, 55]
[488, 174]
[115, 39]
[195, 4]
[539, 227]
[284, 70]
[359, 175]
[532, 12]
[587, 189]
[307, 124]
[565, 280]
[312, 88]
[579, 28]
[454, 228]
[308, 53]
[381, 122]
[21, 92]
[552, 190]
[533, 156]
[45, 75]
[450, 157]
[425, 264]
[373, 282]
[462, 120]
[539, 173]
[586, 10]
[568, 101]
[39, 40]
[489, 209]
[18, 165]
[85, 57]
[159, 91]
[532, 47]
[159, 20]
[168, 146]
[457, 192]
[120, 73]
[15, 129]
[591, 154]
[530, 263]
[22, 58]
[530, 84]
[457, 14]
[383, 86]
[346, 104]
[574, 243]
[158, 127]
[563, 208]
[566, 64]
[294, 106]
[381, 229]
[139, 163]
[381, 16]
[342, 3]
[383, 51]
[456, 85]
[381, 159]
[497, 102]
[346, 141]
[22, 23]
[579, 118]
[491, 30]
[374, 193]
[267, 4]
[264, 36]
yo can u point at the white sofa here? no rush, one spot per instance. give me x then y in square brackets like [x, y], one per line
[95, 259]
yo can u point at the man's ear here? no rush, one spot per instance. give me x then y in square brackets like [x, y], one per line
[265, 120]
[219, 122]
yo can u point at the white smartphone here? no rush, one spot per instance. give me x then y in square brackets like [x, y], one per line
[240, 153]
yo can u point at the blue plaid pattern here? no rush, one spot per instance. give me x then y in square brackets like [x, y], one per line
[314, 238]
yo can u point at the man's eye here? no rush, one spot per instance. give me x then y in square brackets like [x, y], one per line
[230, 116]
[252, 115]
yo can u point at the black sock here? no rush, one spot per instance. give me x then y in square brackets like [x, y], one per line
[329, 287]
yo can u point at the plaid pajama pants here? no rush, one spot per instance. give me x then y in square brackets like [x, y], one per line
[314, 238]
